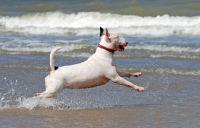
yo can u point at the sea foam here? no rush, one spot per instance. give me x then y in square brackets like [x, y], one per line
[88, 23]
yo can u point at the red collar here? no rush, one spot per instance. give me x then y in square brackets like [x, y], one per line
[107, 49]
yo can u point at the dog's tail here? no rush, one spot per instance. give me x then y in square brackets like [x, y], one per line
[52, 66]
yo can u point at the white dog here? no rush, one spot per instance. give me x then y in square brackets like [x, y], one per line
[95, 71]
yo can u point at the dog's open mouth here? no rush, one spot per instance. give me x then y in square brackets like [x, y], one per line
[121, 47]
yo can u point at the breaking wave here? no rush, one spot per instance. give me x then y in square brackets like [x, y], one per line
[165, 48]
[88, 23]
[165, 71]
[86, 50]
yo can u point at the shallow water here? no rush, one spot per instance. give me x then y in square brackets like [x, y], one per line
[171, 100]
[163, 44]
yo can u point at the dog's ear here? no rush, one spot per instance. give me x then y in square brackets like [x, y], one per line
[101, 31]
[107, 34]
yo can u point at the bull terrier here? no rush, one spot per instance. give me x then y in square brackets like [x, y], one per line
[97, 70]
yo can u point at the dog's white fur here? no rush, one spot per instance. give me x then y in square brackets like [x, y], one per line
[95, 71]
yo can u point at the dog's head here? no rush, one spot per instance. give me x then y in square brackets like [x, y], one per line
[112, 41]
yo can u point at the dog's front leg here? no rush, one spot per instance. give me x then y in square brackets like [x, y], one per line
[126, 83]
[125, 74]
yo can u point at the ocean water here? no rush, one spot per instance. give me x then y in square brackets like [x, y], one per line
[163, 44]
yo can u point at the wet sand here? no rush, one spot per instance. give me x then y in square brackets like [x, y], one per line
[132, 116]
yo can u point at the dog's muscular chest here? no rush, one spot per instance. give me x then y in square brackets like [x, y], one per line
[86, 78]
[84, 75]
[87, 83]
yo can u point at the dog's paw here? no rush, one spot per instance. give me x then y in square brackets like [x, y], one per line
[44, 95]
[140, 89]
[36, 95]
[137, 74]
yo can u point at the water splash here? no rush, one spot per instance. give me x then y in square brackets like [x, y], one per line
[31, 103]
